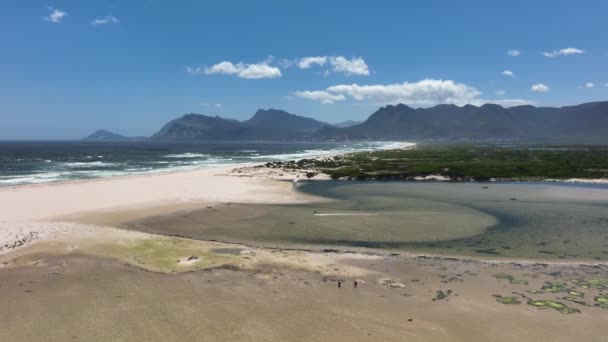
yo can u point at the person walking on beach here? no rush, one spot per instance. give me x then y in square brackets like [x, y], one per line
[339, 284]
[355, 284]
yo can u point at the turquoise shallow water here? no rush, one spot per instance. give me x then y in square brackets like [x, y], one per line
[521, 220]
[533, 220]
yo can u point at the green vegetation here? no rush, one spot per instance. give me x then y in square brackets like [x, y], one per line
[464, 162]
[164, 254]
[602, 301]
[555, 287]
[511, 279]
[576, 293]
[550, 304]
[507, 300]
[599, 284]
[575, 300]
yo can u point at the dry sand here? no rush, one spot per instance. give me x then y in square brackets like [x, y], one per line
[63, 280]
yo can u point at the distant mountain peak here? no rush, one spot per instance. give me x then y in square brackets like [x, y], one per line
[265, 124]
[104, 135]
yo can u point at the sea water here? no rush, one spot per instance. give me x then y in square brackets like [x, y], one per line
[42, 162]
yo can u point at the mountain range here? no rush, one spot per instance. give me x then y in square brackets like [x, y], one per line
[587, 122]
[584, 123]
[271, 124]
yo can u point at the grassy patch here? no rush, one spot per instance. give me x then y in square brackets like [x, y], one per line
[164, 254]
[464, 162]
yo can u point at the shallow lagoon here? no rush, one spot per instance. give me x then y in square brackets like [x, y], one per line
[517, 220]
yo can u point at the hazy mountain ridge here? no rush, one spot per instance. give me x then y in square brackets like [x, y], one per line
[584, 123]
[587, 122]
[104, 135]
[271, 124]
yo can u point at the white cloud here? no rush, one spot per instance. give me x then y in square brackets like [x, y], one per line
[320, 95]
[510, 102]
[424, 92]
[427, 92]
[589, 85]
[307, 62]
[224, 67]
[216, 105]
[105, 20]
[55, 16]
[507, 73]
[242, 70]
[500, 92]
[513, 53]
[257, 71]
[354, 66]
[539, 88]
[563, 52]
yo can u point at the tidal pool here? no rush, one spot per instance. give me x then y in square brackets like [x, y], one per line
[521, 220]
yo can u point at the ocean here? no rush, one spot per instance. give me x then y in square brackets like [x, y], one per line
[54, 161]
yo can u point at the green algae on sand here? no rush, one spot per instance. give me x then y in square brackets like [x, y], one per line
[561, 307]
[555, 287]
[576, 293]
[507, 300]
[576, 300]
[511, 279]
[599, 284]
[164, 254]
[602, 301]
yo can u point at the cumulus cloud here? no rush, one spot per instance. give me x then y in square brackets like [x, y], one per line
[110, 19]
[242, 70]
[307, 62]
[508, 73]
[55, 16]
[539, 88]
[354, 66]
[424, 92]
[320, 95]
[427, 92]
[563, 52]
[513, 53]
[589, 85]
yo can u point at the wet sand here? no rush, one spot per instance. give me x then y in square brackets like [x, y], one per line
[83, 298]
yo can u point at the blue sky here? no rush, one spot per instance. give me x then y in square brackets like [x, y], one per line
[70, 67]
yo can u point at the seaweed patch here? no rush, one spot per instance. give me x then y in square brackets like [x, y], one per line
[551, 304]
[511, 279]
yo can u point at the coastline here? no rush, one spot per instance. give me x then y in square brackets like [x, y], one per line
[138, 196]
